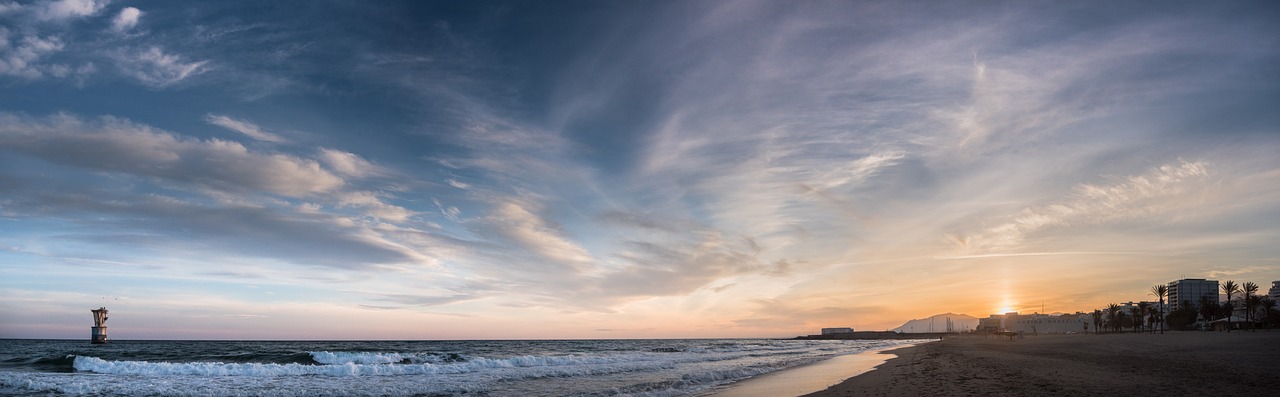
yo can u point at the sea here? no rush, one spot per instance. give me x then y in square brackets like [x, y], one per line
[654, 367]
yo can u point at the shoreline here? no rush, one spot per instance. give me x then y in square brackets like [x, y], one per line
[1176, 363]
[811, 377]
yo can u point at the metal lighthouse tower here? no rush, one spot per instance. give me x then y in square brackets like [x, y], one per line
[99, 325]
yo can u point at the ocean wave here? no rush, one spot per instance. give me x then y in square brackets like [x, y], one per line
[383, 366]
[697, 383]
[324, 357]
[26, 384]
[54, 363]
[666, 369]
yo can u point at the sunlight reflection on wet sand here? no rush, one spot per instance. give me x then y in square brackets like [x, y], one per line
[810, 378]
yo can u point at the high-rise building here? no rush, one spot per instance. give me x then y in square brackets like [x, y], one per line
[1274, 293]
[1190, 290]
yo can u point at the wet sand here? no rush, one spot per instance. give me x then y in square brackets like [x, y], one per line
[1176, 363]
[809, 378]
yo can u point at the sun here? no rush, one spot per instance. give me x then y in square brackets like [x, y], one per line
[1006, 306]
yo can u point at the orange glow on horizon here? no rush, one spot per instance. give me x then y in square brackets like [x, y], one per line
[1006, 305]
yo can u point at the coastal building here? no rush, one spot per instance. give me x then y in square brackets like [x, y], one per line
[1239, 309]
[994, 323]
[1127, 307]
[1035, 323]
[830, 331]
[1156, 306]
[1190, 290]
[1050, 324]
[1274, 293]
[1152, 307]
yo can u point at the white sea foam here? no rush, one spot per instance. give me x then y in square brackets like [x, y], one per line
[541, 366]
[325, 357]
[683, 370]
[14, 383]
[389, 364]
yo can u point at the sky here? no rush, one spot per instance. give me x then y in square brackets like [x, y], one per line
[622, 169]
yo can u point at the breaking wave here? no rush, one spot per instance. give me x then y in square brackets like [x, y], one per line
[324, 357]
[382, 364]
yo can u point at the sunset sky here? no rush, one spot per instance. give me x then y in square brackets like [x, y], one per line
[622, 169]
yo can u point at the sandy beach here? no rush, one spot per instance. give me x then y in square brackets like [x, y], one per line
[1176, 363]
[809, 378]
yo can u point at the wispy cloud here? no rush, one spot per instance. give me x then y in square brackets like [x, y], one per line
[219, 192]
[112, 144]
[232, 231]
[349, 164]
[1250, 270]
[20, 54]
[450, 213]
[156, 68]
[458, 184]
[375, 206]
[426, 300]
[1020, 254]
[515, 221]
[1159, 191]
[38, 40]
[244, 127]
[676, 266]
[61, 10]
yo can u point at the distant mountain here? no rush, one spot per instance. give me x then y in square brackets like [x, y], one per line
[959, 322]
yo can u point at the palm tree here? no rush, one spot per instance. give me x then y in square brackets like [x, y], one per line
[1230, 288]
[1160, 291]
[1249, 289]
[1268, 310]
[1251, 304]
[1113, 316]
[1208, 309]
[1144, 309]
[1136, 314]
[1097, 321]
[1183, 317]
